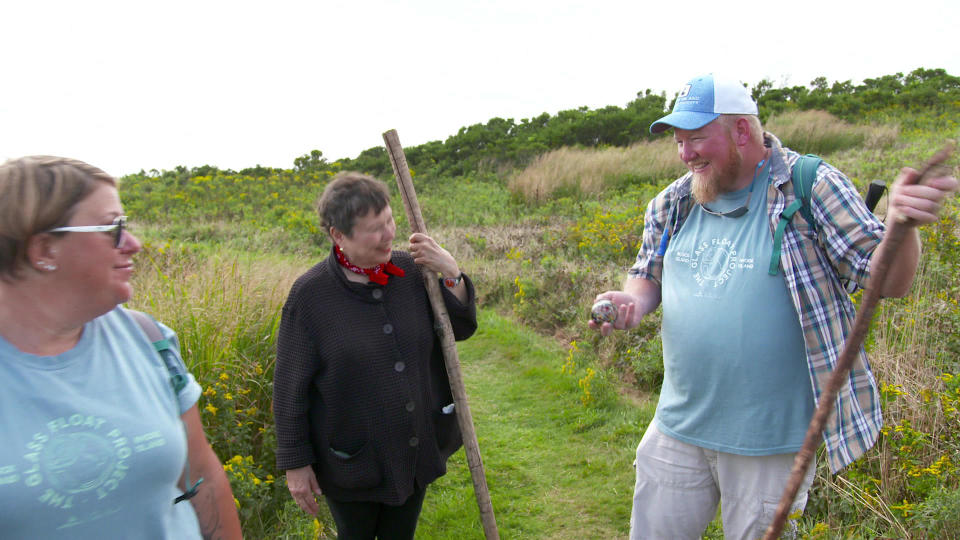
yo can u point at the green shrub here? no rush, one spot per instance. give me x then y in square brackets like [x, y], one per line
[939, 515]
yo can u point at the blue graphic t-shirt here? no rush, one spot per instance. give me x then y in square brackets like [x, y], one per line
[92, 441]
[735, 372]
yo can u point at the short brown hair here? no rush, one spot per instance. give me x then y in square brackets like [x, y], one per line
[348, 196]
[39, 193]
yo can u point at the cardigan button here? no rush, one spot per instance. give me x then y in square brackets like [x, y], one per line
[411, 406]
[388, 328]
[377, 294]
[414, 441]
[399, 366]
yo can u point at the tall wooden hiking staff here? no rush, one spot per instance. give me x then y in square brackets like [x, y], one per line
[861, 325]
[452, 361]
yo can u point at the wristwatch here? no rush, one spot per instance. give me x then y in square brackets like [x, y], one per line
[450, 282]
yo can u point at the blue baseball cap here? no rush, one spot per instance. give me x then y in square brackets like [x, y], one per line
[702, 100]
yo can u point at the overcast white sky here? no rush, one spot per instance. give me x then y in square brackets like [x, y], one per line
[129, 85]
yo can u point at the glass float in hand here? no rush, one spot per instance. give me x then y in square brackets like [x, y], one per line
[603, 311]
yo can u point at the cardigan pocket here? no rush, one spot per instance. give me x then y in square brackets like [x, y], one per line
[358, 471]
[447, 429]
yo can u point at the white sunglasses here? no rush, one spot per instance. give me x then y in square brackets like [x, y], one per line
[118, 225]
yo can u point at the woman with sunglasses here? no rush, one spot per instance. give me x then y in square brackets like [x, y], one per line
[96, 440]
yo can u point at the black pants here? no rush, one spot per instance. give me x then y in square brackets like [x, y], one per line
[369, 520]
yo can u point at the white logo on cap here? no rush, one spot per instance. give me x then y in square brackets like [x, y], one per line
[685, 91]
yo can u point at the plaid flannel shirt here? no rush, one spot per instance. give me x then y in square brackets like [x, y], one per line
[822, 268]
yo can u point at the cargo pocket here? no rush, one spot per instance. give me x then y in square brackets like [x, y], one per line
[790, 527]
[360, 470]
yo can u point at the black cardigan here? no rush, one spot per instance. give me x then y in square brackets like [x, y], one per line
[360, 381]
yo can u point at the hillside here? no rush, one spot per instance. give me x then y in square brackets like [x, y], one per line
[545, 213]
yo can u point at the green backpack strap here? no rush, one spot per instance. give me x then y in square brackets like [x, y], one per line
[804, 173]
[178, 379]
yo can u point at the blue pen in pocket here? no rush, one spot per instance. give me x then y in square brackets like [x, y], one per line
[665, 237]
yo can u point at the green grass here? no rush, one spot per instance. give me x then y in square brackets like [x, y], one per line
[556, 468]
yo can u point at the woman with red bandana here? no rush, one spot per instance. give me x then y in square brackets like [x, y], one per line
[362, 402]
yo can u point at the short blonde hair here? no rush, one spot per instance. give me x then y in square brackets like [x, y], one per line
[39, 193]
[756, 128]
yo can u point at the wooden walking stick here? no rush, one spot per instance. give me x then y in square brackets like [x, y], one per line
[450, 357]
[861, 324]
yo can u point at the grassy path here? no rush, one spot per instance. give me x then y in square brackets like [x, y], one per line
[556, 469]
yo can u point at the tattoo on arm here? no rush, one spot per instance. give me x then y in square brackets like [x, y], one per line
[209, 518]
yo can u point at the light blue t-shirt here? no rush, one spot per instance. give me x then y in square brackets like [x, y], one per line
[91, 441]
[735, 370]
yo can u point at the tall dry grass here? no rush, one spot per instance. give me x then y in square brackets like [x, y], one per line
[819, 132]
[908, 348]
[225, 307]
[588, 171]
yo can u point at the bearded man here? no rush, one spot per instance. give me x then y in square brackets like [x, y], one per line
[751, 332]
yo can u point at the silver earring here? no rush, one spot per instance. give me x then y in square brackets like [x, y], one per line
[49, 267]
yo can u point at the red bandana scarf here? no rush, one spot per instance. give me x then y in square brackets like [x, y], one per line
[377, 274]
